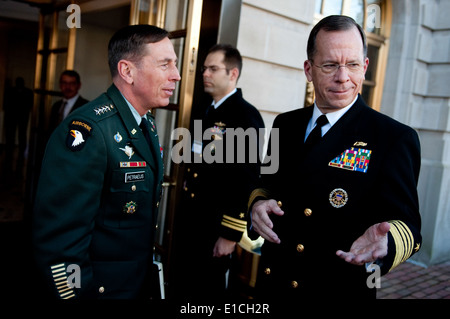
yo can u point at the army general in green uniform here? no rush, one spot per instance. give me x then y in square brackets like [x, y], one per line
[99, 191]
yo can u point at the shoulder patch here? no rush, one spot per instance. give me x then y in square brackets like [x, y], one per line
[79, 132]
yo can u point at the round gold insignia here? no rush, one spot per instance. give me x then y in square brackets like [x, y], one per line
[130, 207]
[338, 197]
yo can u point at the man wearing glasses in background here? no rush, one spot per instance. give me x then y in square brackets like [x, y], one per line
[345, 194]
[213, 213]
[70, 84]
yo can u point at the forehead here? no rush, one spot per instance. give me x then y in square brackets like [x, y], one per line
[68, 78]
[162, 50]
[338, 44]
[215, 58]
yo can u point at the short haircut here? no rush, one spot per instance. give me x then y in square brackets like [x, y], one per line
[333, 23]
[129, 43]
[232, 57]
[71, 73]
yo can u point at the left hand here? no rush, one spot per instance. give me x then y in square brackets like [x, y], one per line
[373, 244]
[223, 247]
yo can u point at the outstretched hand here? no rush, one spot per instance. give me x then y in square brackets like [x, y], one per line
[261, 221]
[373, 244]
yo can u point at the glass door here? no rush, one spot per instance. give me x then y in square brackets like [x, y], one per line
[182, 18]
[55, 44]
[62, 46]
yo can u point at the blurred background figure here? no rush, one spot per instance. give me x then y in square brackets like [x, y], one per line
[17, 106]
[70, 84]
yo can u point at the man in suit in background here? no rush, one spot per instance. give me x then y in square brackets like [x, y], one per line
[70, 84]
[98, 195]
[213, 211]
[344, 200]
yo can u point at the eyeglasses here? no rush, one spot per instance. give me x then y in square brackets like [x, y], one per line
[68, 83]
[332, 68]
[213, 69]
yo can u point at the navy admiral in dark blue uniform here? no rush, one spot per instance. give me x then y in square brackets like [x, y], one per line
[100, 186]
[344, 199]
[212, 217]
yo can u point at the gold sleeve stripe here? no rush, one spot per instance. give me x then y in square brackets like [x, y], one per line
[259, 192]
[234, 223]
[60, 280]
[404, 242]
[63, 265]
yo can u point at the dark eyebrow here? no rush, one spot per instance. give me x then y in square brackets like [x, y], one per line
[168, 60]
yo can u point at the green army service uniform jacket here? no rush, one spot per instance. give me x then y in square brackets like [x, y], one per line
[97, 201]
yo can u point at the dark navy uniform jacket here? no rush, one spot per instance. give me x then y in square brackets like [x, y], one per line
[97, 203]
[218, 192]
[364, 171]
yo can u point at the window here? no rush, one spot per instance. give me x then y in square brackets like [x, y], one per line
[374, 17]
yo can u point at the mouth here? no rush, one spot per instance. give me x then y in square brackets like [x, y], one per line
[169, 91]
[340, 91]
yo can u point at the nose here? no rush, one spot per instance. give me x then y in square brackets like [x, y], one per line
[342, 74]
[206, 72]
[175, 75]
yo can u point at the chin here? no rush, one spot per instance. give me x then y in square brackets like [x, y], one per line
[341, 103]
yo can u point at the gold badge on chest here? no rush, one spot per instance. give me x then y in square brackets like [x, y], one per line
[338, 198]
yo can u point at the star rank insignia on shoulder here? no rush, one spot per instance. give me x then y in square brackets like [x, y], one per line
[79, 132]
[103, 109]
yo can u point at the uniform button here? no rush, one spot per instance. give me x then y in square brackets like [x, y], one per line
[101, 290]
[195, 175]
[133, 188]
[307, 212]
[279, 203]
[300, 248]
[185, 189]
[192, 195]
[267, 271]
[294, 284]
[157, 204]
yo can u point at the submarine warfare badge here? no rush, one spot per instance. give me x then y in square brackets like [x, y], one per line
[338, 198]
[218, 131]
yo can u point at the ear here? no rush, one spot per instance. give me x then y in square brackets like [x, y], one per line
[307, 67]
[234, 72]
[125, 70]
[366, 65]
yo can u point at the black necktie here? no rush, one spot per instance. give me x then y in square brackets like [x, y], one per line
[146, 130]
[210, 110]
[61, 111]
[316, 134]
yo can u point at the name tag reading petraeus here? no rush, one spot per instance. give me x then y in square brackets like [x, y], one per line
[134, 177]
